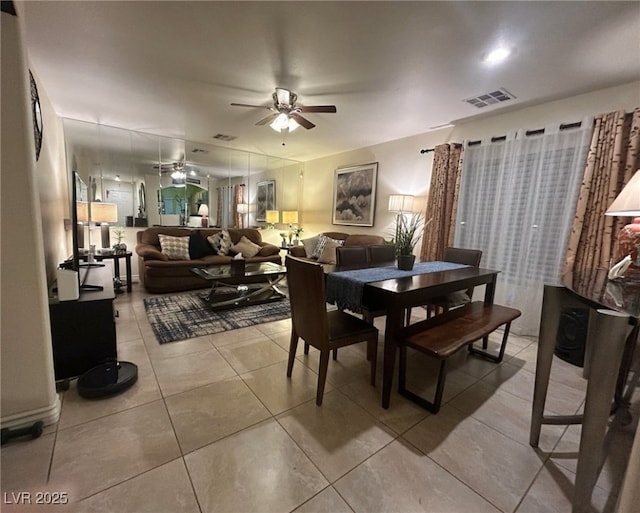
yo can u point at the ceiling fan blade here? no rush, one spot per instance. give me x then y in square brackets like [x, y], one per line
[318, 108]
[268, 119]
[301, 121]
[246, 105]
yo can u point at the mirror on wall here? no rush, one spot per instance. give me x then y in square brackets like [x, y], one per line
[155, 180]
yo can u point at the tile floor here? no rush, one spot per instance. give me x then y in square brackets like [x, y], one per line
[214, 425]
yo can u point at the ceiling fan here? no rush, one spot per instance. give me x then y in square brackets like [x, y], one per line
[170, 166]
[285, 114]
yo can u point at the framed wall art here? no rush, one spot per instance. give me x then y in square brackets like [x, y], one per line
[265, 198]
[354, 195]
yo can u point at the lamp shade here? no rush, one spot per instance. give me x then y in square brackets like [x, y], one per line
[290, 216]
[243, 208]
[400, 203]
[203, 210]
[272, 216]
[82, 211]
[104, 212]
[628, 201]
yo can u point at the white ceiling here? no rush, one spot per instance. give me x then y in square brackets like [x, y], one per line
[393, 69]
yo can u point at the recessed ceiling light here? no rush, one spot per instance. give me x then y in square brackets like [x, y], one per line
[497, 56]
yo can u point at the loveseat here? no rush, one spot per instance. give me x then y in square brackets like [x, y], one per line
[310, 249]
[168, 268]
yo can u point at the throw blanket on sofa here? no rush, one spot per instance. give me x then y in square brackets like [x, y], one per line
[344, 288]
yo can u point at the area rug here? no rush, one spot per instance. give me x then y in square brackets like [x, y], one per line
[185, 316]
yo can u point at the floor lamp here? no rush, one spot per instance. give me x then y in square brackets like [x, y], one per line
[399, 204]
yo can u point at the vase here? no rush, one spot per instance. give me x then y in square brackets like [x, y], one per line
[405, 262]
[629, 242]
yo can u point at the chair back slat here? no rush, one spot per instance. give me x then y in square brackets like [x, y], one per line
[464, 256]
[381, 254]
[307, 295]
[354, 255]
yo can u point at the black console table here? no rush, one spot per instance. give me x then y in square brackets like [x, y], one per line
[614, 313]
[84, 331]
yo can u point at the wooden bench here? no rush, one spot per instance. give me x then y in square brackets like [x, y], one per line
[444, 335]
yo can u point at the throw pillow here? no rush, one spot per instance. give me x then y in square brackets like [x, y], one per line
[220, 242]
[328, 255]
[214, 241]
[176, 248]
[322, 241]
[198, 246]
[246, 247]
[310, 244]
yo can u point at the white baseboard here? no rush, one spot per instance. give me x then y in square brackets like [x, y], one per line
[48, 415]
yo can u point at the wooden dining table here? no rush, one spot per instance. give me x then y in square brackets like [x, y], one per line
[399, 292]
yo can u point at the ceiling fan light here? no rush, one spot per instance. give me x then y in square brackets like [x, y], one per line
[292, 124]
[280, 123]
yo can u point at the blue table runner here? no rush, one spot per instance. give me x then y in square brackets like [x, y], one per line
[345, 288]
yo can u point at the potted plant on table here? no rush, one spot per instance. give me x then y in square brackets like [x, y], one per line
[120, 247]
[408, 232]
[297, 231]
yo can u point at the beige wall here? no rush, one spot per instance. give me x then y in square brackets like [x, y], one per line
[52, 179]
[402, 169]
[28, 389]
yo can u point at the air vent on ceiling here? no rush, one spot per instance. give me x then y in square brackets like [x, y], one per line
[224, 137]
[484, 100]
[199, 150]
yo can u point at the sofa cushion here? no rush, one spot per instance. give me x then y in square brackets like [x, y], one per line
[198, 246]
[176, 248]
[328, 255]
[322, 242]
[310, 244]
[247, 248]
[269, 250]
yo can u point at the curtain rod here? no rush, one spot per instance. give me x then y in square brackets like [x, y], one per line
[428, 150]
[563, 126]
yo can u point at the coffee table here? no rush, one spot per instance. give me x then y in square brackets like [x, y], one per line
[231, 288]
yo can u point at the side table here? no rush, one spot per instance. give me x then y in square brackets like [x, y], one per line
[116, 263]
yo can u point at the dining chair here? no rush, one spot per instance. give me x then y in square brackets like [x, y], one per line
[381, 254]
[443, 304]
[351, 256]
[322, 329]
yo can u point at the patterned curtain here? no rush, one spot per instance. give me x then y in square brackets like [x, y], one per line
[613, 158]
[238, 197]
[440, 213]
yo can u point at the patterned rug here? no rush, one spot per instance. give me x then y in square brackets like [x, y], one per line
[185, 316]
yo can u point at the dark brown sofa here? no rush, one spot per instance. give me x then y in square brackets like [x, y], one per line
[159, 274]
[350, 240]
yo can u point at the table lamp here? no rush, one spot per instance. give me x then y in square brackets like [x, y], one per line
[242, 209]
[203, 212]
[103, 214]
[272, 217]
[82, 213]
[627, 204]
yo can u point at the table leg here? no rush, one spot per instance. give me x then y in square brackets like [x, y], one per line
[128, 267]
[607, 336]
[549, 321]
[394, 323]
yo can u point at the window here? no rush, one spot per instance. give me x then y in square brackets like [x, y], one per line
[516, 203]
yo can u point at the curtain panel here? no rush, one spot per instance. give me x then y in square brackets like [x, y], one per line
[238, 197]
[517, 199]
[441, 207]
[614, 156]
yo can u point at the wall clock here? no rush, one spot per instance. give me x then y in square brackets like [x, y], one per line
[37, 115]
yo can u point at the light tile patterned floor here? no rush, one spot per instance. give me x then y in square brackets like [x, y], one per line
[214, 425]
